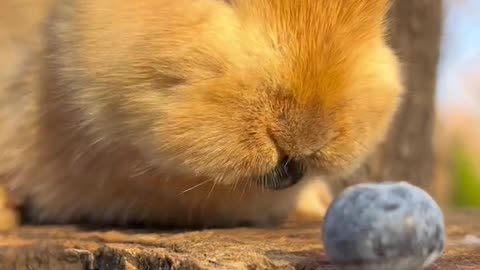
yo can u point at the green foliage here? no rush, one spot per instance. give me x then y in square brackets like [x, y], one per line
[466, 177]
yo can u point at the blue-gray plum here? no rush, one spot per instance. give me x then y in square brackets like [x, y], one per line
[389, 225]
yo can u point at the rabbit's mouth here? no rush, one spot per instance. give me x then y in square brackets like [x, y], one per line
[286, 174]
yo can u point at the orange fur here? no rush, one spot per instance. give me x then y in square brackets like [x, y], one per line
[163, 111]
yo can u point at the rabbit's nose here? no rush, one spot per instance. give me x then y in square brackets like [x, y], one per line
[286, 174]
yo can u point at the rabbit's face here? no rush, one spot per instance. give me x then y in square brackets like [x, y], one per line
[238, 98]
[273, 125]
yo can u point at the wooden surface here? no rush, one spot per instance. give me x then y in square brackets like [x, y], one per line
[289, 247]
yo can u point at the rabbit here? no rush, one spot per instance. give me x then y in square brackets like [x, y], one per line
[192, 113]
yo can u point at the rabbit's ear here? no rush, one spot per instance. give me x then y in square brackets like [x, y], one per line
[371, 11]
[329, 13]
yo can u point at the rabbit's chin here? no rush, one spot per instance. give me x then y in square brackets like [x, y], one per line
[179, 203]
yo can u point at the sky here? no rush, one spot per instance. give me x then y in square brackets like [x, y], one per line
[459, 68]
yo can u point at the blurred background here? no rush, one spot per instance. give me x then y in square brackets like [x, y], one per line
[457, 126]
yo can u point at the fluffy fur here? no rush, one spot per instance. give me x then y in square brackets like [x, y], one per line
[163, 111]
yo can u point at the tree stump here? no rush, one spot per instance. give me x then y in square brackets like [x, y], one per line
[288, 247]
